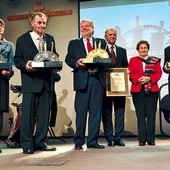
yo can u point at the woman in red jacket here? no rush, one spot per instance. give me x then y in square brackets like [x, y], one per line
[144, 72]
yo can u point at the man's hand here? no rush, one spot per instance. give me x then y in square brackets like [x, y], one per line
[28, 66]
[80, 64]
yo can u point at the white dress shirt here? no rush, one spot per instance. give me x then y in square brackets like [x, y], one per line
[85, 43]
[36, 39]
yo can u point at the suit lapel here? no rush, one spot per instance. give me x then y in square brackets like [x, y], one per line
[117, 50]
[82, 45]
[30, 42]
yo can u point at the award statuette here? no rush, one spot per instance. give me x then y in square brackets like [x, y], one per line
[97, 57]
[46, 60]
[4, 63]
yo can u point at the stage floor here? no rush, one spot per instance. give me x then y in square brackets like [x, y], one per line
[130, 157]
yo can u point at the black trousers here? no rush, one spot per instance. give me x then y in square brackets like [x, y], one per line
[145, 106]
[4, 95]
[34, 119]
[88, 100]
[107, 112]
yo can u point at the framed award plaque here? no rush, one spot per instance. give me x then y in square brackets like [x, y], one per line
[117, 82]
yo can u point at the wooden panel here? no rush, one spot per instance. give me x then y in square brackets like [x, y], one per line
[52, 13]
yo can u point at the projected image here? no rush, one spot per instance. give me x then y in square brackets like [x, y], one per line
[149, 21]
[134, 22]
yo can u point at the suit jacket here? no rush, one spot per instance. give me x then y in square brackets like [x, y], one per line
[76, 50]
[32, 81]
[136, 71]
[166, 59]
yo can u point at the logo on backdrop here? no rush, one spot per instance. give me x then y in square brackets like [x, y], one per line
[156, 35]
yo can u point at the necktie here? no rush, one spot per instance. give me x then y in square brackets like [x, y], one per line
[113, 54]
[41, 44]
[89, 46]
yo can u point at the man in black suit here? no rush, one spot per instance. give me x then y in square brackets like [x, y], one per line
[119, 60]
[36, 86]
[88, 84]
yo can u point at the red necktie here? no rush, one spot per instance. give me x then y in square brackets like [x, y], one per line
[89, 46]
[113, 54]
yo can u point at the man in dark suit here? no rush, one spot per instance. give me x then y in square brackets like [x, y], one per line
[36, 86]
[118, 60]
[88, 84]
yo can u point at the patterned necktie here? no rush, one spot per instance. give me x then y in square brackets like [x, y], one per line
[113, 54]
[41, 44]
[89, 46]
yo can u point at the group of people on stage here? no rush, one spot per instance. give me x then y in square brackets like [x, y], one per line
[89, 84]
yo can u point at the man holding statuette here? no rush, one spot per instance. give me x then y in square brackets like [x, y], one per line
[36, 85]
[88, 84]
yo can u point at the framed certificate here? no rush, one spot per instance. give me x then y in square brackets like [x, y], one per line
[117, 82]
